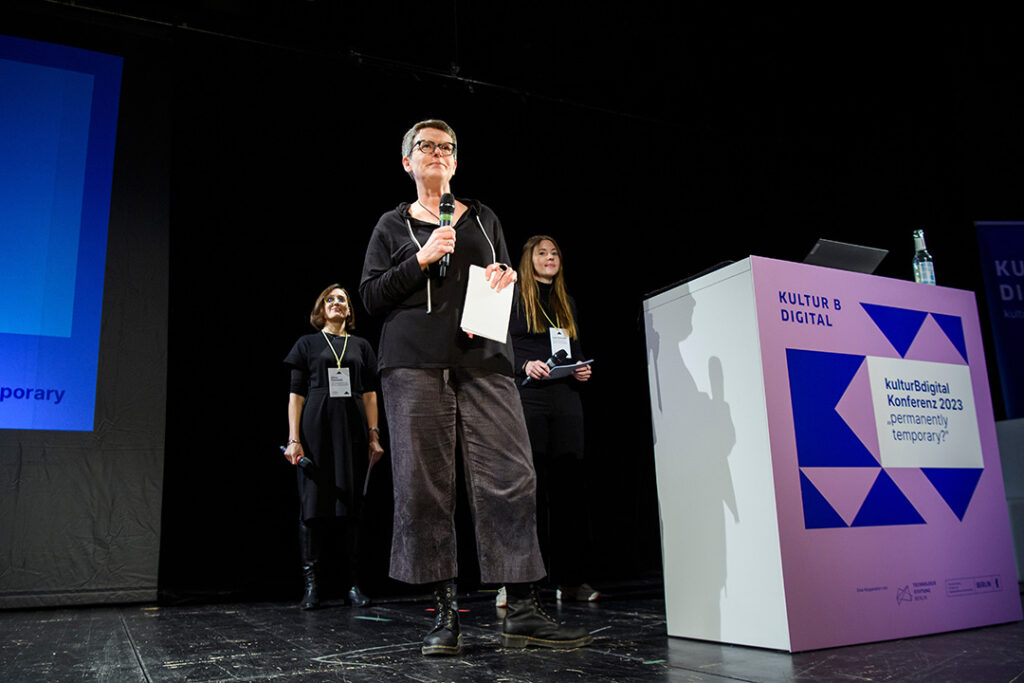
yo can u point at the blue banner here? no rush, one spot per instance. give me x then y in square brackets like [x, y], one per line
[1001, 246]
[58, 124]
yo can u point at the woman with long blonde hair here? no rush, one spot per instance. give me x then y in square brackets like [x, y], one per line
[544, 323]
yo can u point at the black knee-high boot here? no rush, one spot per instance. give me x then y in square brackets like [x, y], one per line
[444, 638]
[309, 547]
[355, 596]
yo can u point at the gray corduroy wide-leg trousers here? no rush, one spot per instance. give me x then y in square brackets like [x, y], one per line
[426, 409]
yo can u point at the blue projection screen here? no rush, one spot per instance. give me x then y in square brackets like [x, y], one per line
[58, 126]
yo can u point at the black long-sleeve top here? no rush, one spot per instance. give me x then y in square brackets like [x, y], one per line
[394, 285]
[537, 345]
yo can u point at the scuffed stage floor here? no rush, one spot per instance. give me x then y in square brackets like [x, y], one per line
[277, 642]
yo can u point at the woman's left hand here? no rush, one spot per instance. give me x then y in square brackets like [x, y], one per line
[503, 276]
[582, 373]
[376, 450]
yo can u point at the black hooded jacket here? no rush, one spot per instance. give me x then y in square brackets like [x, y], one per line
[393, 285]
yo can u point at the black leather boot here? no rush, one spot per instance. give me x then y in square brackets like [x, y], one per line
[311, 596]
[526, 623]
[444, 638]
[357, 598]
[309, 547]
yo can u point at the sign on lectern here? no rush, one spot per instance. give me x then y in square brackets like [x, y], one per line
[826, 459]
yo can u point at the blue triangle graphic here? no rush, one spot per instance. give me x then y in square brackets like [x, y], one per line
[818, 512]
[899, 325]
[817, 381]
[886, 505]
[956, 486]
[954, 329]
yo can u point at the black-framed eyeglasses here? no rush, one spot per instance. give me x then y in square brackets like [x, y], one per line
[428, 146]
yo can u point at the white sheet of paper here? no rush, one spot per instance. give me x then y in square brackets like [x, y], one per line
[486, 312]
[566, 370]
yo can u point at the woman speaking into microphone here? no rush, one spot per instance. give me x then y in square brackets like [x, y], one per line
[442, 387]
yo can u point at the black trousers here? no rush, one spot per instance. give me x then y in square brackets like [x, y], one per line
[554, 420]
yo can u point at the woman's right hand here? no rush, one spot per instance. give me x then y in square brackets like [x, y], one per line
[537, 369]
[294, 452]
[440, 242]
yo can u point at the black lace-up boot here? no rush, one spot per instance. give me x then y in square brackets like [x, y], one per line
[444, 638]
[526, 623]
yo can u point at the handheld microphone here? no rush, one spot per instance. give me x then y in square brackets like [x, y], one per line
[445, 213]
[305, 464]
[556, 359]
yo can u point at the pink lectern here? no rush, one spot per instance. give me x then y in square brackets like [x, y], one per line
[826, 459]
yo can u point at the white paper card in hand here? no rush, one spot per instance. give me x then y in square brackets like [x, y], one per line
[486, 312]
[560, 371]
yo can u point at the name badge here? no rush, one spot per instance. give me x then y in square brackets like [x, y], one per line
[559, 341]
[340, 383]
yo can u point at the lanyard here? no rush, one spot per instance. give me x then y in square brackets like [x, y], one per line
[336, 356]
[553, 324]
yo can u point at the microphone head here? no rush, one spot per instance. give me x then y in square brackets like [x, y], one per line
[557, 358]
[447, 203]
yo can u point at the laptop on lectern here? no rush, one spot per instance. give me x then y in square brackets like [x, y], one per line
[844, 256]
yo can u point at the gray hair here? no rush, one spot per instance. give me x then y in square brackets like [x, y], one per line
[438, 124]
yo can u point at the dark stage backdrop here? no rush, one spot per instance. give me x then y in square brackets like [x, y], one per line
[652, 147]
[80, 510]
[282, 167]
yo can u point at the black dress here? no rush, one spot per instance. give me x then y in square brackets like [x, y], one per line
[333, 430]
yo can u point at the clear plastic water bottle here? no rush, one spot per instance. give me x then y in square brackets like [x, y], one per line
[924, 267]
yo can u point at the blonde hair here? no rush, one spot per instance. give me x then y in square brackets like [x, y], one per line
[529, 292]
